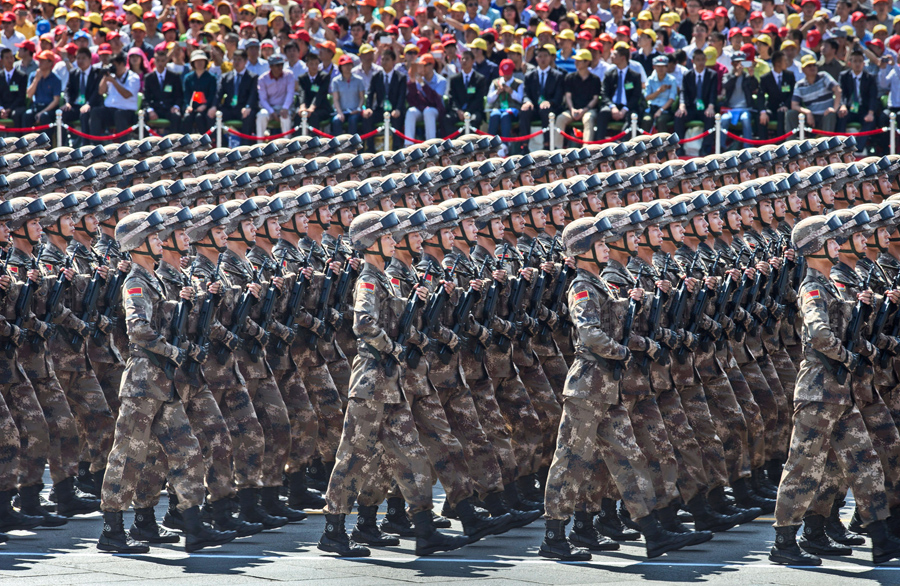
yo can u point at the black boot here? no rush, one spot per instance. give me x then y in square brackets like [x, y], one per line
[4, 537]
[668, 519]
[542, 474]
[706, 519]
[397, 522]
[198, 535]
[97, 480]
[13, 520]
[528, 489]
[224, 519]
[440, 521]
[335, 540]
[85, 481]
[660, 541]
[885, 547]
[815, 541]
[786, 551]
[253, 512]
[721, 504]
[760, 485]
[429, 540]
[769, 482]
[318, 473]
[625, 517]
[273, 505]
[299, 494]
[476, 526]
[367, 531]
[745, 497]
[608, 523]
[556, 546]
[773, 471]
[68, 504]
[172, 518]
[30, 504]
[515, 500]
[145, 528]
[856, 525]
[835, 529]
[583, 534]
[497, 507]
[115, 540]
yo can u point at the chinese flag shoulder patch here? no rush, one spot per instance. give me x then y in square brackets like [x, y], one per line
[814, 294]
[395, 281]
[581, 296]
[136, 292]
[428, 277]
[367, 286]
[13, 269]
[49, 267]
[840, 285]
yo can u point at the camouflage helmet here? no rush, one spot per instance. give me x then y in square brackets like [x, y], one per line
[147, 195]
[134, 229]
[853, 220]
[175, 219]
[88, 203]
[19, 210]
[579, 236]
[292, 203]
[439, 217]
[269, 207]
[58, 205]
[652, 213]
[21, 182]
[621, 221]
[206, 217]
[368, 228]
[880, 216]
[465, 208]
[240, 210]
[810, 234]
[491, 206]
[410, 221]
[114, 199]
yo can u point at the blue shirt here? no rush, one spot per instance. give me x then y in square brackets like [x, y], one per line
[47, 89]
[653, 84]
[565, 64]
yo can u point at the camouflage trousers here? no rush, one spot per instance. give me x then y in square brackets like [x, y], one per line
[493, 423]
[109, 375]
[304, 424]
[140, 421]
[545, 404]
[781, 435]
[692, 479]
[556, 370]
[891, 398]
[10, 443]
[588, 429]
[32, 430]
[650, 434]
[247, 441]
[816, 427]
[276, 426]
[755, 451]
[731, 427]
[93, 416]
[765, 398]
[325, 400]
[696, 408]
[521, 418]
[63, 456]
[340, 374]
[787, 374]
[368, 424]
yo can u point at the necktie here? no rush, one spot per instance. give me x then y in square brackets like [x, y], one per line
[699, 82]
[466, 80]
[778, 80]
[162, 78]
[543, 80]
[620, 94]
[237, 83]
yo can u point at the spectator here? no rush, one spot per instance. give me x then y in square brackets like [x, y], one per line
[294, 60]
[777, 86]
[741, 96]
[817, 96]
[387, 93]
[646, 51]
[199, 94]
[565, 61]
[698, 95]
[276, 95]
[621, 93]
[121, 86]
[138, 63]
[163, 92]
[829, 63]
[315, 86]
[82, 91]
[366, 68]
[543, 93]
[468, 90]
[424, 93]
[44, 89]
[504, 100]
[349, 97]
[859, 98]
[26, 63]
[661, 93]
[139, 40]
[582, 95]
[238, 97]
[256, 65]
[13, 88]
[482, 65]
[9, 36]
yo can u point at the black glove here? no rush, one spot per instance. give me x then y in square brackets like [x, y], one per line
[852, 361]
[653, 349]
[887, 344]
[106, 324]
[776, 310]
[668, 337]
[727, 324]
[197, 353]
[231, 341]
[759, 311]
[476, 330]
[288, 335]
[448, 338]
[179, 358]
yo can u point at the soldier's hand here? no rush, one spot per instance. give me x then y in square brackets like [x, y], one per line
[185, 262]
[776, 311]
[255, 289]
[688, 340]
[501, 326]
[288, 335]
[887, 344]
[231, 341]
[422, 293]
[106, 324]
[759, 311]
[198, 353]
[124, 266]
[476, 284]
[548, 267]
[790, 254]
[34, 275]
[279, 283]
[499, 275]
[355, 263]
[15, 335]
[527, 273]
[450, 339]
[548, 316]
[5, 281]
[335, 267]
[865, 297]
[179, 357]
[763, 267]
[307, 273]
[449, 286]
[637, 294]
[103, 271]
[187, 293]
[69, 274]
[668, 337]
[734, 273]
[333, 317]
[664, 285]
[397, 351]
[691, 284]
[775, 262]
[852, 361]
[653, 349]
[712, 283]
[894, 296]
[569, 261]
[214, 288]
[727, 324]
[750, 272]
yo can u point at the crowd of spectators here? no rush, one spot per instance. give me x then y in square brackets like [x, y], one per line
[508, 64]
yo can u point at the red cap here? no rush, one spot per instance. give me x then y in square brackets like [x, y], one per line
[424, 45]
[596, 46]
[707, 15]
[876, 43]
[734, 32]
[447, 38]
[585, 36]
[206, 8]
[168, 26]
[721, 11]
[507, 67]
[813, 37]
[746, 32]
[770, 29]
[542, 6]
[407, 22]
[334, 26]
[71, 49]
[421, 10]
[748, 50]
[855, 17]
[301, 35]
[894, 43]
[9, 17]
[624, 30]
[427, 59]
[112, 35]
[104, 49]
[150, 14]
[19, 6]
[60, 29]
[161, 47]
[48, 55]
[345, 60]
[816, 2]
[392, 29]
[756, 14]
[783, 32]
[27, 45]
[109, 16]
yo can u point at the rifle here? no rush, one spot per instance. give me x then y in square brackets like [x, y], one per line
[204, 318]
[490, 305]
[23, 303]
[268, 306]
[857, 319]
[4, 256]
[239, 317]
[295, 303]
[656, 313]
[699, 308]
[721, 301]
[341, 290]
[556, 299]
[516, 293]
[751, 299]
[537, 293]
[431, 315]
[406, 320]
[461, 314]
[54, 300]
[629, 322]
[677, 309]
[179, 322]
[799, 269]
[739, 295]
[90, 300]
[111, 300]
[322, 304]
[780, 288]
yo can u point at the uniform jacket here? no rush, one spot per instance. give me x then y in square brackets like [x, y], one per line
[219, 375]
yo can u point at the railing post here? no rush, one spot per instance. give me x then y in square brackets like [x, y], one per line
[59, 128]
[467, 124]
[387, 131]
[802, 119]
[552, 131]
[634, 125]
[304, 123]
[893, 131]
[141, 124]
[718, 134]
[218, 128]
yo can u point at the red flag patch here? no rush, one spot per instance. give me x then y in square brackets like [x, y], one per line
[581, 296]
[840, 285]
[13, 269]
[814, 294]
[136, 292]
[367, 287]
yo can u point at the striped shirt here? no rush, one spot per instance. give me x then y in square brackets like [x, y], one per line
[818, 95]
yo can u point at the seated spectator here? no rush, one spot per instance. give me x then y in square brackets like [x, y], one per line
[661, 93]
[543, 94]
[199, 94]
[9, 36]
[621, 94]
[778, 87]
[121, 86]
[468, 90]
[425, 91]
[314, 87]
[44, 89]
[829, 62]
[82, 92]
[349, 97]
[817, 96]
[366, 68]
[256, 65]
[481, 63]
[741, 96]
[387, 93]
[13, 88]
[238, 96]
[504, 100]
[582, 96]
[859, 98]
[276, 95]
[698, 95]
[26, 63]
[163, 93]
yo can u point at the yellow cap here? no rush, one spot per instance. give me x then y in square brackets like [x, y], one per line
[592, 24]
[410, 48]
[139, 26]
[879, 28]
[897, 19]
[225, 21]
[645, 15]
[666, 20]
[622, 45]
[72, 15]
[711, 56]
[520, 32]
[274, 15]
[51, 2]
[314, 13]
[498, 23]
[249, 8]
[649, 32]
[443, 3]
[807, 60]
[134, 9]
[389, 10]
[366, 48]
[543, 28]
[219, 45]
[566, 35]
[617, 3]
[60, 13]
[793, 21]
[675, 17]
[93, 18]
[79, 4]
[376, 24]
[787, 44]
[197, 16]
[820, 14]
[515, 48]
[508, 29]
[211, 28]
[764, 39]
[478, 44]
[551, 48]
[458, 7]
[583, 55]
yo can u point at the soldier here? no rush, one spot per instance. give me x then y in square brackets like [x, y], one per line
[149, 410]
[377, 411]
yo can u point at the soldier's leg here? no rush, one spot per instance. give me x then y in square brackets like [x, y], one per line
[782, 432]
[273, 418]
[63, 456]
[212, 434]
[546, 405]
[730, 424]
[755, 453]
[886, 441]
[132, 440]
[407, 457]
[517, 409]
[173, 431]
[891, 397]
[692, 479]
[444, 451]
[787, 374]
[246, 433]
[556, 370]
[34, 435]
[340, 374]
[356, 454]
[651, 436]
[832, 486]
[110, 377]
[91, 411]
[327, 402]
[768, 408]
[151, 477]
[697, 410]
[10, 444]
[304, 424]
[495, 427]
[576, 445]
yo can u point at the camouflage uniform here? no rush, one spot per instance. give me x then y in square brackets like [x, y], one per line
[338, 363]
[108, 356]
[552, 361]
[889, 391]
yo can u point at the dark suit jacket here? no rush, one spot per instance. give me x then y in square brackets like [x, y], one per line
[319, 98]
[461, 99]
[633, 96]
[774, 97]
[91, 94]
[157, 98]
[396, 93]
[749, 85]
[10, 99]
[247, 94]
[708, 93]
[868, 91]
[553, 88]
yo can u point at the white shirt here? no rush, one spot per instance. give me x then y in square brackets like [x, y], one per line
[10, 42]
[299, 68]
[114, 99]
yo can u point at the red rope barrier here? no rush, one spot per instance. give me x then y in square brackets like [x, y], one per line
[698, 137]
[320, 133]
[251, 137]
[27, 129]
[751, 141]
[605, 140]
[450, 136]
[866, 133]
[514, 138]
[92, 137]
